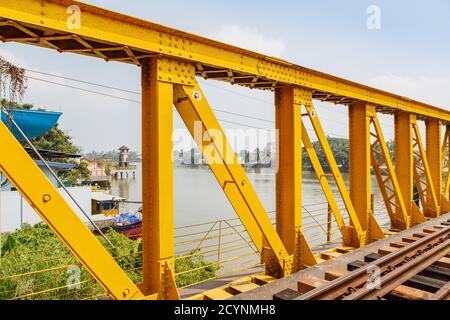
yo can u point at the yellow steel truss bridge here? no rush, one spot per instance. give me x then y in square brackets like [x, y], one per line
[171, 61]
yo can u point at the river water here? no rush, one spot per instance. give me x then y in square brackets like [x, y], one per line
[198, 197]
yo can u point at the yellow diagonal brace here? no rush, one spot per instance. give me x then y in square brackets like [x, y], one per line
[361, 234]
[211, 140]
[446, 155]
[428, 196]
[321, 176]
[399, 216]
[434, 154]
[45, 199]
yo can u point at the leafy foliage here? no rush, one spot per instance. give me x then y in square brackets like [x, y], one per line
[113, 155]
[340, 151]
[13, 81]
[57, 140]
[33, 249]
[201, 269]
[340, 148]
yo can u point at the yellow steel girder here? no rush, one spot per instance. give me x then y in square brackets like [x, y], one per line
[289, 176]
[157, 180]
[404, 164]
[323, 180]
[44, 198]
[199, 119]
[434, 154]
[359, 161]
[422, 175]
[387, 179]
[446, 163]
[358, 234]
[116, 37]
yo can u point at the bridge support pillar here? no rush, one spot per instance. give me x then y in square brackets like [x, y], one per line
[289, 176]
[157, 183]
[404, 166]
[403, 155]
[434, 155]
[359, 161]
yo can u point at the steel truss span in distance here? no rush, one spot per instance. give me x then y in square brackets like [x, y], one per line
[170, 62]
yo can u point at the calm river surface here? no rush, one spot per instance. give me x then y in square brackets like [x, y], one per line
[199, 198]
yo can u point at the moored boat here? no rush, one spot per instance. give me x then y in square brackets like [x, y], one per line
[128, 224]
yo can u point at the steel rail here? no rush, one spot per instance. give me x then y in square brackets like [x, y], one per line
[346, 284]
[401, 274]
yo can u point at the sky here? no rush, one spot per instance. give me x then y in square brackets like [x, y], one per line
[407, 54]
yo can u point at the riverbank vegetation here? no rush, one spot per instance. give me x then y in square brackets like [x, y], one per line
[36, 265]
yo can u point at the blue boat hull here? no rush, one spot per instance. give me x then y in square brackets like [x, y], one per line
[33, 123]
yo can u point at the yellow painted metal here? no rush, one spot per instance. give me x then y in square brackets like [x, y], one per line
[422, 175]
[446, 163]
[289, 177]
[387, 178]
[44, 22]
[157, 181]
[404, 164]
[323, 180]
[360, 235]
[170, 59]
[45, 199]
[211, 140]
[359, 162]
[434, 155]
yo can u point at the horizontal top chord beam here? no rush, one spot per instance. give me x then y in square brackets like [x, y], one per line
[116, 37]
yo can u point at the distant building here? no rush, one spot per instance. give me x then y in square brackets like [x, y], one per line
[95, 167]
[123, 157]
[193, 157]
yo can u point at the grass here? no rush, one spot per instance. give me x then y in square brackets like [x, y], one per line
[36, 265]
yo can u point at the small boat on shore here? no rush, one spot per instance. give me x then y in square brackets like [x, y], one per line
[129, 225]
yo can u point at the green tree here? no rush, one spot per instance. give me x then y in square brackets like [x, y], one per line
[58, 140]
[340, 151]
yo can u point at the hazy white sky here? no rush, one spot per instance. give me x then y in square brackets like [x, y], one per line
[408, 56]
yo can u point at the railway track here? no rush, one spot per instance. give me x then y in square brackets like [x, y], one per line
[416, 268]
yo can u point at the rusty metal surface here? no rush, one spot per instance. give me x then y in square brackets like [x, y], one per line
[338, 264]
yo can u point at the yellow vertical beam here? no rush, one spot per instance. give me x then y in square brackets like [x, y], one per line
[404, 164]
[403, 155]
[45, 199]
[434, 154]
[359, 161]
[157, 182]
[289, 175]
[199, 119]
